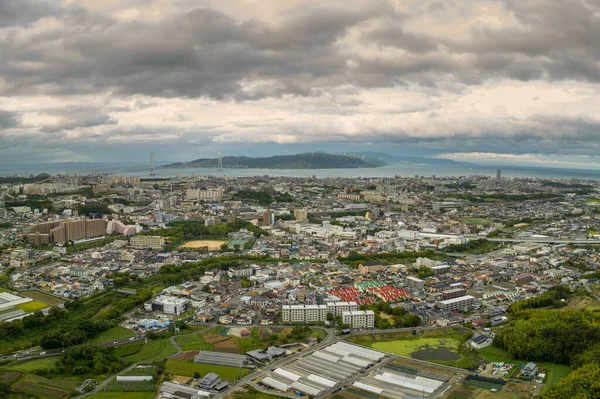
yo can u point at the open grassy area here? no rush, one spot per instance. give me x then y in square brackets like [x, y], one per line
[38, 390]
[32, 306]
[254, 341]
[248, 392]
[554, 372]
[140, 352]
[32, 365]
[318, 333]
[193, 342]
[476, 221]
[177, 367]
[114, 334]
[122, 395]
[406, 347]
[583, 302]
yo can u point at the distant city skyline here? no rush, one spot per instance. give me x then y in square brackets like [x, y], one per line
[490, 82]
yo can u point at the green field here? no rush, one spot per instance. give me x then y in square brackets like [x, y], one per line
[114, 334]
[554, 372]
[187, 369]
[139, 352]
[39, 391]
[32, 365]
[122, 395]
[193, 342]
[407, 347]
[476, 221]
[131, 386]
[67, 385]
[32, 306]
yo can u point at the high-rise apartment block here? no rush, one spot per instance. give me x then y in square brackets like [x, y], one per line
[65, 231]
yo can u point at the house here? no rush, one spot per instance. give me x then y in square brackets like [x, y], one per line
[530, 370]
[480, 341]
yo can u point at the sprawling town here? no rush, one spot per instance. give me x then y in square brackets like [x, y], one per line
[214, 286]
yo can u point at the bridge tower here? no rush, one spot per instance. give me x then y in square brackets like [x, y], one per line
[220, 162]
[152, 168]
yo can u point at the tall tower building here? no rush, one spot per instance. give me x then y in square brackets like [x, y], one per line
[498, 174]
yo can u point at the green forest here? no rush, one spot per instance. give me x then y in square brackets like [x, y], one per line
[540, 332]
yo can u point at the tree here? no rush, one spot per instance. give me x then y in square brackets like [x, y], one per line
[236, 248]
[196, 375]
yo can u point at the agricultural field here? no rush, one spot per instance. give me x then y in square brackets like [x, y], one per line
[122, 395]
[32, 365]
[44, 387]
[554, 372]
[130, 386]
[32, 306]
[138, 352]
[187, 369]
[193, 342]
[114, 334]
[42, 297]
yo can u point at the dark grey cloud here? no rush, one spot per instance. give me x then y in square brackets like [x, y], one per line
[8, 120]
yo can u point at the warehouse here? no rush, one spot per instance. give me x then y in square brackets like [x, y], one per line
[222, 359]
[273, 383]
[323, 369]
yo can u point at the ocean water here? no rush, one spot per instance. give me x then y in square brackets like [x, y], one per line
[403, 170]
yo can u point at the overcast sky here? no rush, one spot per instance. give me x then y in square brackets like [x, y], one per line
[496, 81]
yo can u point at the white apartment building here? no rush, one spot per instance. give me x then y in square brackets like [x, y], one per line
[242, 271]
[459, 303]
[303, 313]
[359, 318]
[338, 308]
[199, 194]
[154, 242]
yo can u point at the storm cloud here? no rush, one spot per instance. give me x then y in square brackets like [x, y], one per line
[461, 77]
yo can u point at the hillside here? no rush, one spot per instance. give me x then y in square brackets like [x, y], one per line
[315, 160]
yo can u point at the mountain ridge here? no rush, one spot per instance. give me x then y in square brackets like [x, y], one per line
[310, 160]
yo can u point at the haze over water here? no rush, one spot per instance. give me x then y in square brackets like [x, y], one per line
[403, 170]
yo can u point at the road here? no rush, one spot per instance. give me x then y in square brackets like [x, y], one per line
[592, 291]
[104, 383]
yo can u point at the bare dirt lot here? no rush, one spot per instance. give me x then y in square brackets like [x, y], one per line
[212, 245]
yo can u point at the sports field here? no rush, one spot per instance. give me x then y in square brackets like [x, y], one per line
[213, 245]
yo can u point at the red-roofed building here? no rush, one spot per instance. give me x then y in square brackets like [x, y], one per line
[389, 293]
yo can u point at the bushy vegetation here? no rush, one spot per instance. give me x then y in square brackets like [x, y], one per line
[180, 232]
[261, 197]
[400, 318]
[354, 258]
[480, 246]
[539, 333]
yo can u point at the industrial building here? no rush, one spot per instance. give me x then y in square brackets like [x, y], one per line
[168, 304]
[323, 369]
[222, 359]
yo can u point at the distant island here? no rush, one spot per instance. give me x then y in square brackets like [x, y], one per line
[313, 160]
